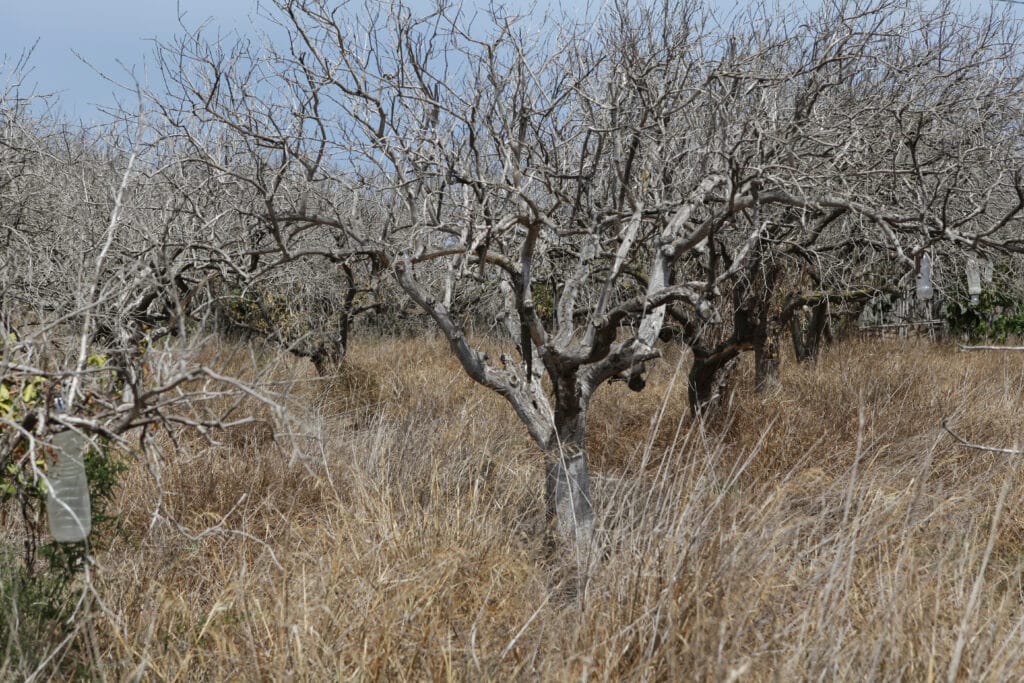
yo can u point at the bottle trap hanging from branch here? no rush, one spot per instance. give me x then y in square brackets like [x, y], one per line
[974, 280]
[68, 511]
[924, 278]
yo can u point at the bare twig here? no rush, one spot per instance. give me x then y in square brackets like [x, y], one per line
[978, 447]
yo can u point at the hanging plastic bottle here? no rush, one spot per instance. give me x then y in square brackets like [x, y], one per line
[974, 280]
[67, 500]
[924, 278]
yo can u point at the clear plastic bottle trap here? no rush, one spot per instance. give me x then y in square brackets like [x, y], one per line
[68, 511]
[924, 279]
[974, 280]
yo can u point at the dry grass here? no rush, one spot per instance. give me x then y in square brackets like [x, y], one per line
[830, 531]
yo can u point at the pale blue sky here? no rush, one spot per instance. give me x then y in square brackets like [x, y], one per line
[106, 32]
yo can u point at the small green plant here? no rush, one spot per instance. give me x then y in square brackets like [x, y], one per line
[33, 610]
[544, 301]
[998, 315]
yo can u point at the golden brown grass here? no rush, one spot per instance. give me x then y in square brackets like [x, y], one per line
[829, 532]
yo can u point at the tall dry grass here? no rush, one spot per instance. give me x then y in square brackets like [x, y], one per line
[829, 532]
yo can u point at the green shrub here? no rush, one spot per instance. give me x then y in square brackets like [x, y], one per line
[998, 315]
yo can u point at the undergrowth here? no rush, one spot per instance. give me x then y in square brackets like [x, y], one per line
[831, 531]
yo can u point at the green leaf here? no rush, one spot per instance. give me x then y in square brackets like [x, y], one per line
[6, 404]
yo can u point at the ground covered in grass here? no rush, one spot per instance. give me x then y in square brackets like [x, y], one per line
[830, 531]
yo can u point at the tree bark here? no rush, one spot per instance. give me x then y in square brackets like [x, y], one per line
[570, 512]
[568, 496]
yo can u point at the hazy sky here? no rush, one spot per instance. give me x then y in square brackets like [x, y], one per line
[106, 32]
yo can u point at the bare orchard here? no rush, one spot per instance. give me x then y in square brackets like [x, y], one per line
[564, 201]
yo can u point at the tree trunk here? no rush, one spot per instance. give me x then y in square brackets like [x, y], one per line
[328, 358]
[808, 337]
[766, 334]
[766, 362]
[567, 490]
[329, 354]
[708, 377]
